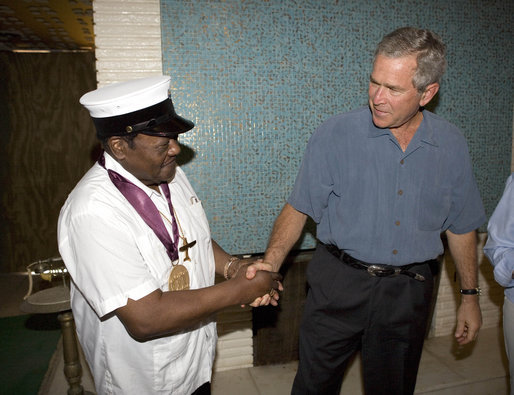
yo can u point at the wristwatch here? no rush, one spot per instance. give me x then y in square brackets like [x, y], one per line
[472, 291]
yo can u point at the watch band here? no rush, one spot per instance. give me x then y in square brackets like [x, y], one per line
[472, 291]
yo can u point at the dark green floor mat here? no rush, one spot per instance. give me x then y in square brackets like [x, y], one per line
[27, 343]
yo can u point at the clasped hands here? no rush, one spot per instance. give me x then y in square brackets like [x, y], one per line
[252, 267]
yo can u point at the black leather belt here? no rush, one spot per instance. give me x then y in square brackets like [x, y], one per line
[376, 270]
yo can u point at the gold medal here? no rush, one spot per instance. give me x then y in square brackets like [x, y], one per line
[179, 278]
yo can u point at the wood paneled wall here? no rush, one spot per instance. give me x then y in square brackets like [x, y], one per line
[48, 143]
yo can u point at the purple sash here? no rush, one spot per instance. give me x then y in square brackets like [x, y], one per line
[147, 210]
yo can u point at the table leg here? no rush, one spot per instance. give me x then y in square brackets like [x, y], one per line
[72, 367]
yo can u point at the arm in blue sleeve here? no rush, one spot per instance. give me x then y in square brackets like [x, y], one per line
[500, 243]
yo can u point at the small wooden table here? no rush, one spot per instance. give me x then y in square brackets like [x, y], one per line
[56, 299]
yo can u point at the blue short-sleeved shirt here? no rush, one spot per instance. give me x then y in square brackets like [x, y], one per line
[383, 205]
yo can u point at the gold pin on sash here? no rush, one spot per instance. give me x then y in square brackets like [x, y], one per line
[185, 247]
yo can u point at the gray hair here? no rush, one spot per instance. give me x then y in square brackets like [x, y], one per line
[428, 47]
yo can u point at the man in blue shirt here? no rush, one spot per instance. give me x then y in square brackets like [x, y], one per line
[500, 251]
[382, 183]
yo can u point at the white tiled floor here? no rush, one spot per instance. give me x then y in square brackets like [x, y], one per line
[444, 370]
[479, 369]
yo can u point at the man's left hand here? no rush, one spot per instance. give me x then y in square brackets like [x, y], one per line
[469, 319]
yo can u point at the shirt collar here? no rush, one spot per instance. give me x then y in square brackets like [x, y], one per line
[424, 134]
[111, 163]
[426, 131]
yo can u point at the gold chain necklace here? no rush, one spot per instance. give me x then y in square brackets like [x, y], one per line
[185, 245]
[179, 276]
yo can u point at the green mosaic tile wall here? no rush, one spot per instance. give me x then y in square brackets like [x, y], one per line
[257, 77]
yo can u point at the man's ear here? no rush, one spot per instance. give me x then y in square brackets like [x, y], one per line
[429, 94]
[117, 146]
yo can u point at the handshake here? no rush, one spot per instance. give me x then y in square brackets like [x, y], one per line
[260, 285]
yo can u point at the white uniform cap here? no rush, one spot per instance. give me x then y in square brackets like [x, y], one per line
[124, 97]
[135, 106]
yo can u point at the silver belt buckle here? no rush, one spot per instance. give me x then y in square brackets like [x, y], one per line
[378, 271]
[372, 269]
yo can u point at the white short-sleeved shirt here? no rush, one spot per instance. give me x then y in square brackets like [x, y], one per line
[112, 255]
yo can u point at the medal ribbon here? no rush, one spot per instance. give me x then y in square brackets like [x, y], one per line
[147, 210]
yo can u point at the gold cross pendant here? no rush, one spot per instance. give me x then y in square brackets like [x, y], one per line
[186, 248]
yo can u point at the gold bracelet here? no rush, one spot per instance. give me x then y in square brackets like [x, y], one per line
[227, 266]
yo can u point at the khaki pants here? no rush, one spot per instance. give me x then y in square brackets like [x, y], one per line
[508, 331]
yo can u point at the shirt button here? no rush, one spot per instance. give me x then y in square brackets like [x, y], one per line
[395, 252]
[397, 223]
[400, 192]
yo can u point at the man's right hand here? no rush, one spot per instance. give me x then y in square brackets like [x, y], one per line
[259, 284]
[265, 299]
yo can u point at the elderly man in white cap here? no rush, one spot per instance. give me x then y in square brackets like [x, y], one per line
[136, 242]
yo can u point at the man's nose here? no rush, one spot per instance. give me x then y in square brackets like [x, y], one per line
[174, 147]
[378, 95]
